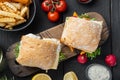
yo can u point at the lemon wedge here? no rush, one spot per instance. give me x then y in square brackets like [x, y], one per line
[41, 76]
[70, 76]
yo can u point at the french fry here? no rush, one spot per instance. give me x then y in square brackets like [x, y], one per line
[1, 16]
[11, 25]
[2, 24]
[13, 11]
[24, 11]
[12, 15]
[0, 8]
[27, 13]
[5, 20]
[17, 5]
[20, 21]
[3, 7]
[7, 26]
[10, 10]
[10, 6]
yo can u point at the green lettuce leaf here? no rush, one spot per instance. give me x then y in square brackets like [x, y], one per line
[61, 57]
[85, 15]
[17, 50]
[94, 54]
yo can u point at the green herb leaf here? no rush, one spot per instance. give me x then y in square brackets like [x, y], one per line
[61, 56]
[85, 15]
[93, 19]
[17, 50]
[94, 54]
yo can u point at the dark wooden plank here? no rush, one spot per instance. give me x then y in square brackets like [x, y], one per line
[102, 7]
[54, 32]
[115, 23]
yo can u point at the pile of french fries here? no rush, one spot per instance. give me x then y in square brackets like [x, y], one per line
[12, 14]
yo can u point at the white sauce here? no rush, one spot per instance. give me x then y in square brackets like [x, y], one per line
[98, 72]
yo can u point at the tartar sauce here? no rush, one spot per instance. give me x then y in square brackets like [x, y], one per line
[98, 72]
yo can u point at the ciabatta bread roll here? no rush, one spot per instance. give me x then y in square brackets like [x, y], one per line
[82, 34]
[41, 53]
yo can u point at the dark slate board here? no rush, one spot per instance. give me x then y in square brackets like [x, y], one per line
[115, 30]
[54, 32]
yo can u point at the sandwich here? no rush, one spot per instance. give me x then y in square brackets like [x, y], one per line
[37, 52]
[82, 34]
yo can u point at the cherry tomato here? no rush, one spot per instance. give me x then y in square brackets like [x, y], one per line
[82, 59]
[61, 6]
[46, 5]
[110, 60]
[53, 16]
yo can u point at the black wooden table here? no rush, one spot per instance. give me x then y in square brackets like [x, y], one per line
[110, 11]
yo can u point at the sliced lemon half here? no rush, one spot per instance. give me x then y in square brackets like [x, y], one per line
[41, 76]
[70, 76]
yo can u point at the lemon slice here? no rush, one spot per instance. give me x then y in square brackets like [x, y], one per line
[41, 76]
[70, 76]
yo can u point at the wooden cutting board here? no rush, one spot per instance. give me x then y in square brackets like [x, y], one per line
[54, 32]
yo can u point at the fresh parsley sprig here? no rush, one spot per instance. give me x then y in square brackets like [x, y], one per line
[85, 15]
[61, 57]
[94, 54]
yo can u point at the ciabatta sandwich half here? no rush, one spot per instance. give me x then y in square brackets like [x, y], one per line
[82, 34]
[40, 53]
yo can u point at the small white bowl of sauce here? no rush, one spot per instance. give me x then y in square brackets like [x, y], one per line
[98, 72]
